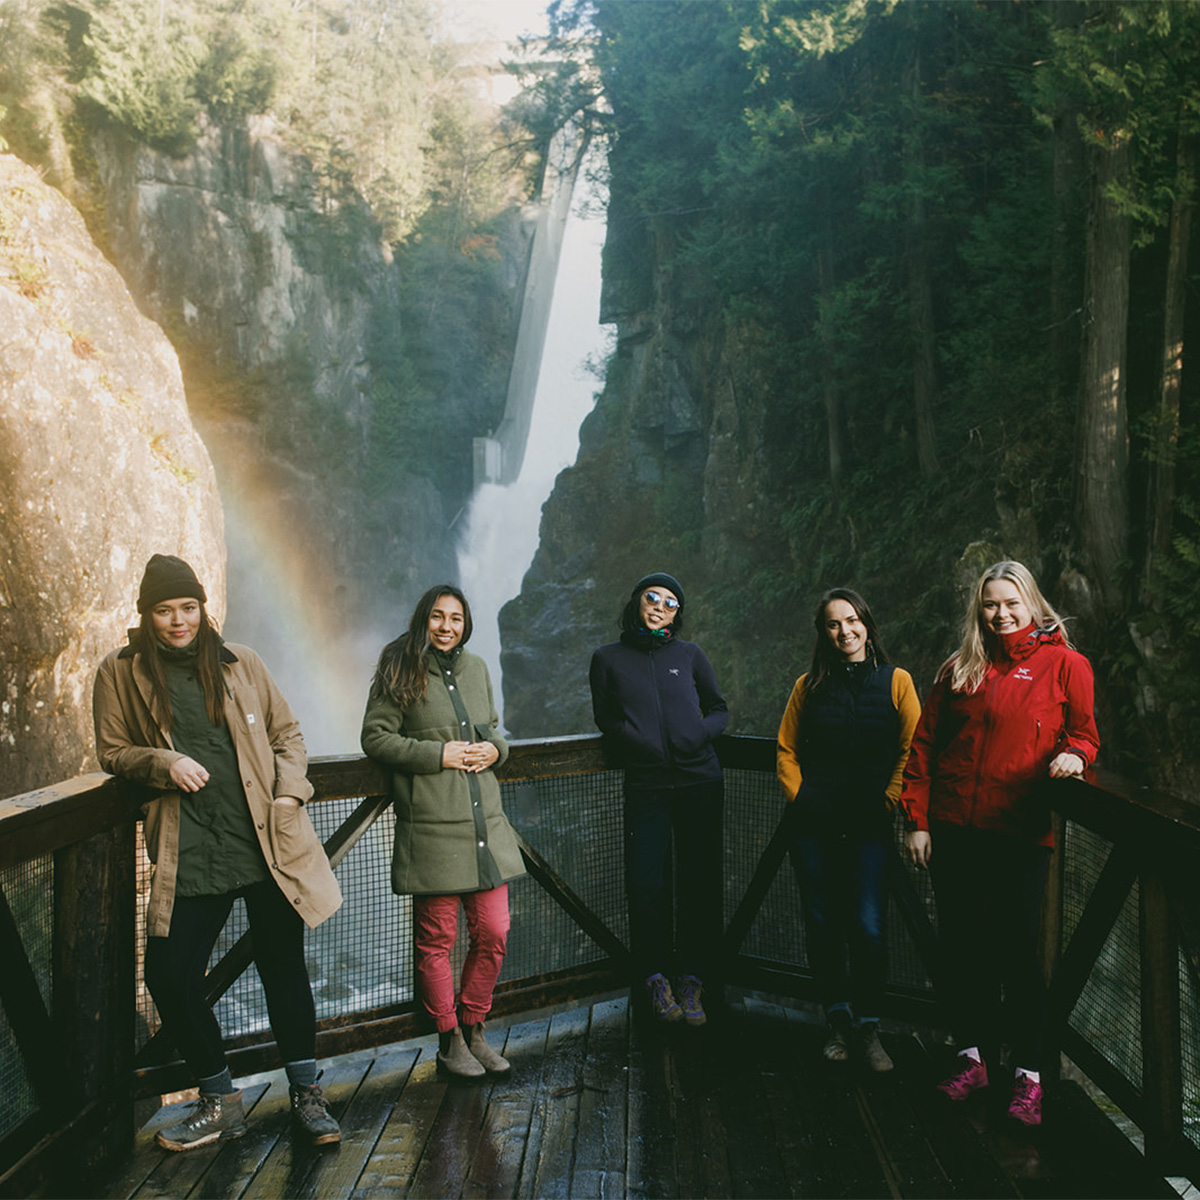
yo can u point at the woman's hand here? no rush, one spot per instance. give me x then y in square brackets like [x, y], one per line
[469, 756]
[188, 775]
[481, 755]
[286, 801]
[919, 847]
[1066, 765]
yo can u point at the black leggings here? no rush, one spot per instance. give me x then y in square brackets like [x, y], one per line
[175, 967]
[692, 814]
[989, 890]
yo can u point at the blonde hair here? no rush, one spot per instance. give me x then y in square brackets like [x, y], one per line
[969, 663]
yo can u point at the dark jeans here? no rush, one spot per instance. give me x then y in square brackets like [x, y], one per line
[175, 967]
[693, 815]
[989, 890]
[842, 884]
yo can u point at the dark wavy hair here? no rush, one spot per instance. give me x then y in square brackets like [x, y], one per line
[825, 656]
[630, 619]
[208, 665]
[402, 673]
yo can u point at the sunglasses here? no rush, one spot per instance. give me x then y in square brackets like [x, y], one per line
[668, 602]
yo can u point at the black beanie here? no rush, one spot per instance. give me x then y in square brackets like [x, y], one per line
[167, 578]
[659, 579]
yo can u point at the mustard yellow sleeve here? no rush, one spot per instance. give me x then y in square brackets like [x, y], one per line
[908, 709]
[787, 748]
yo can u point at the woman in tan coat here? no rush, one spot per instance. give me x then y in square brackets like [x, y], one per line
[202, 722]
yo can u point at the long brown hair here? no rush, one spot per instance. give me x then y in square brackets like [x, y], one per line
[402, 672]
[825, 655]
[208, 666]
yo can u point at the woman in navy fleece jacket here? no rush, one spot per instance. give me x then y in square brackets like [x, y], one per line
[656, 700]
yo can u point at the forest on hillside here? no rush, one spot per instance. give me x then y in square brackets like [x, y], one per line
[941, 256]
[406, 151]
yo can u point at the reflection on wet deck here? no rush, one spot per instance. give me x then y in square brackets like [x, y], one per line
[602, 1103]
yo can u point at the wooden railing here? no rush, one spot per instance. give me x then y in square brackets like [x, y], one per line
[78, 1050]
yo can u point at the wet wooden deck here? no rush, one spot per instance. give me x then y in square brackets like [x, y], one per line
[604, 1104]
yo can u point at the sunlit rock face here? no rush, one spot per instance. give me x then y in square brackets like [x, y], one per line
[101, 468]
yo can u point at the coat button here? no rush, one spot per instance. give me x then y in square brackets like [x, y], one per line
[297, 900]
[261, 825]
[274, 866]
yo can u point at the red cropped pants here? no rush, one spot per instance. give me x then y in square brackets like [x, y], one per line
[436, 919]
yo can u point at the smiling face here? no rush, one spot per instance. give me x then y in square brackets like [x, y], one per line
[446, 623]
[657, 607]
[1003, 608]
[844, 628]
[176, 622]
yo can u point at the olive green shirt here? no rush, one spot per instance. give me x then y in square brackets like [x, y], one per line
[218, 848]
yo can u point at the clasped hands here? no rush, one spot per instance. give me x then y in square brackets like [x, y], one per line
[469, 756]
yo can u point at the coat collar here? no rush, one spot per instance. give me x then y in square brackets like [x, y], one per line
[130, 649]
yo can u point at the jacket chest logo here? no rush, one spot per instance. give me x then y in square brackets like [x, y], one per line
[1023, 673]
[672, 670]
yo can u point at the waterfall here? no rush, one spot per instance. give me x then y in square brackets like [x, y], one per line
[500, 532]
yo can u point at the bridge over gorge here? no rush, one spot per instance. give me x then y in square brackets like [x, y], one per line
[600, 1102]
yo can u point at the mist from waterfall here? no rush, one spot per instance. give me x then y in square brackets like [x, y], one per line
[500, 529]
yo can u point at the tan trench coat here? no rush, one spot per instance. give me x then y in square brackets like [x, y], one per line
[131, 743]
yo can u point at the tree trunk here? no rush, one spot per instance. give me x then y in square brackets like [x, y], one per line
[920, 290]
[1103, 445]
[1167, 440]
[830, 388]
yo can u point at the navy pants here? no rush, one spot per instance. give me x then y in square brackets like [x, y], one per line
[175, 967]
[692, 817]
[842, 885]
[989, 889]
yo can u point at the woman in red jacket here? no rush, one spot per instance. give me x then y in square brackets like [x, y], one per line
[1013, 706]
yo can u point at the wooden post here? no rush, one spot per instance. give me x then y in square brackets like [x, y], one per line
[1162, 1076]
[94, 974]
[1050, 927]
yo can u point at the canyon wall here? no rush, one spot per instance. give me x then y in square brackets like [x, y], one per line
[101, 467]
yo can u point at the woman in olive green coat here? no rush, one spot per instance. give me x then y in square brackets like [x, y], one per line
[431, 720]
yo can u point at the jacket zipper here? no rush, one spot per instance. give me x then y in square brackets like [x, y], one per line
[987, 737]
[662, 725]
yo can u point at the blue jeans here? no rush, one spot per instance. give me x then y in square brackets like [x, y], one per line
[842, 884]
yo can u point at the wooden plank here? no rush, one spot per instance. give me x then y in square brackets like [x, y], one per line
[748, 1048]
[496, 1168]
[285, 1170]
[897, 1130]
[554, 1119]
[391, 1166]
[843, 1157]
[446, 1160]
[40, 822]
[650, 1166]
[599, 1167]
[363, 1122]
[697, 1062]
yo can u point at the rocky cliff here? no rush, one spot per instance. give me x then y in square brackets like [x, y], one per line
[337, 387]
[101, 467]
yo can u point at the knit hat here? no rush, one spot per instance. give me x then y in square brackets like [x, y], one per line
[659, 579]
[167, 578]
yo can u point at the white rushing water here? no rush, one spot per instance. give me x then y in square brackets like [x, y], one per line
[500, 530]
